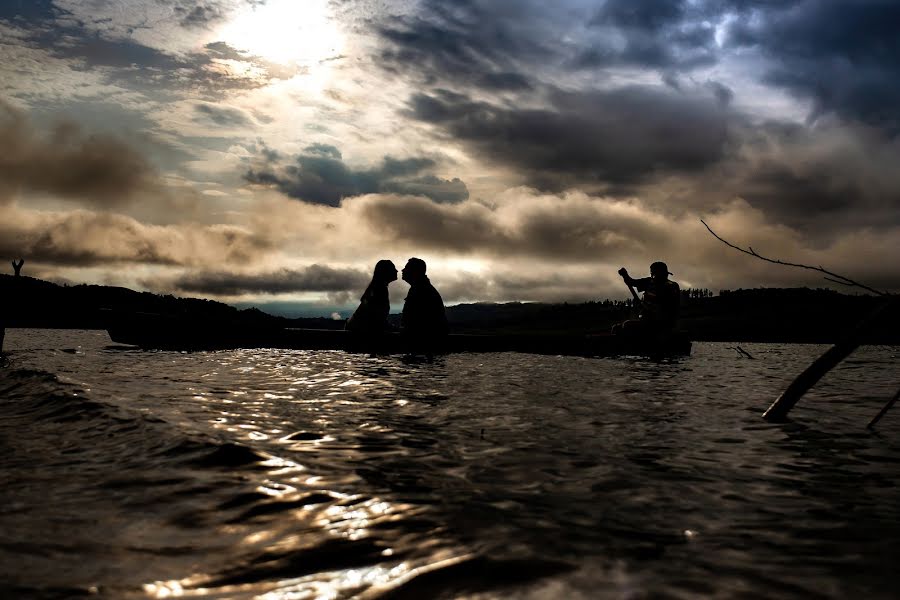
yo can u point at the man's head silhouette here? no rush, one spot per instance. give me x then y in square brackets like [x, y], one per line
[414, 271]
[659, 270]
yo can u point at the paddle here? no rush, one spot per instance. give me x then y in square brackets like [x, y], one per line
[624, 274]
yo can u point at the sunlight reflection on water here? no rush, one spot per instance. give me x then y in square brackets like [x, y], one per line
[291, 474]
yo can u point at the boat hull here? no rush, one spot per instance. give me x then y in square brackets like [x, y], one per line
[176, 334]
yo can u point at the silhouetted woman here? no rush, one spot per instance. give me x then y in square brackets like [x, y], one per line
[375, 304]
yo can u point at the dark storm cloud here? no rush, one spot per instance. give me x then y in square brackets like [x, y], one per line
[621, 136]
[722, 92]
[826, 179]
[648, 33]
[502, 46]
[478, 43]
[640, 14]
[314, 278]
[27, 11]
[843, 55]
[319, 175]
[69, 163]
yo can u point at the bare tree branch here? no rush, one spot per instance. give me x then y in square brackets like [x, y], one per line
[819, 367]
[833, 277]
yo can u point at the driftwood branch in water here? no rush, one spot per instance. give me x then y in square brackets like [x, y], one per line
[745, 353]
[884, 410]
[819, 367]
[741, 352]
[833, 277]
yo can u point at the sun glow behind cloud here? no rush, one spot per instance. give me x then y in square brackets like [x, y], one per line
[287, 32]
[520, 138]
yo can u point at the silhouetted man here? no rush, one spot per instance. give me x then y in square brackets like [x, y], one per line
[659, 307]
[17, 266]
[423, 320]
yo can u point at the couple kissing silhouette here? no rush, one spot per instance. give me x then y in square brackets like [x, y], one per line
[423, 318]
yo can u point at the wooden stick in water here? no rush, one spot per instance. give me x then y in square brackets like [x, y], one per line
[819, 367]
[884, 410]
[744, 352]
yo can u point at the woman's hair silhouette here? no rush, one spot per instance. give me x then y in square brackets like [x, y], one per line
[374, 304]
[385, 272]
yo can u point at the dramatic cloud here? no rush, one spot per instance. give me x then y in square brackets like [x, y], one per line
[843, 55]
[319, 175]
[83, 238]
[572, 228]
[473, 43]
[314, 278]
[66, 162]
[596, 138]
[828, 179]
[497, 47]
[526, 150]
[577, 242]
[646, 33]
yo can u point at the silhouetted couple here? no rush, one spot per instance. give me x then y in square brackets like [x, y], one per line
[423, 321]
[659, 306]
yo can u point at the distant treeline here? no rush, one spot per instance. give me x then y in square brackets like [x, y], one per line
[30, 302]
[762, 314]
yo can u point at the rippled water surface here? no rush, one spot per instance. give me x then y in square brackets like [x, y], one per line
[290, 474]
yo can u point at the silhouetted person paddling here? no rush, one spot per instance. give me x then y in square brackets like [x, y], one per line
[370, 319]
[17, 266]
[424, 321]
[659, 306]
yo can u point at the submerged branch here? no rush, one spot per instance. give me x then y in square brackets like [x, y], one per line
[884, 410]
[819, 367]
[745, 353]
[833, 277]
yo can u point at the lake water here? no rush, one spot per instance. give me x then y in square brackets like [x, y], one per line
[291, 475]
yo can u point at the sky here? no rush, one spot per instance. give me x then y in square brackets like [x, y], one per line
[270, 152]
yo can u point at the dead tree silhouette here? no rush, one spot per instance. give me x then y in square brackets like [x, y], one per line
[17, 266]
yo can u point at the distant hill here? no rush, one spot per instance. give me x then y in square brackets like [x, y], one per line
[30, 302]
[764, 314]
